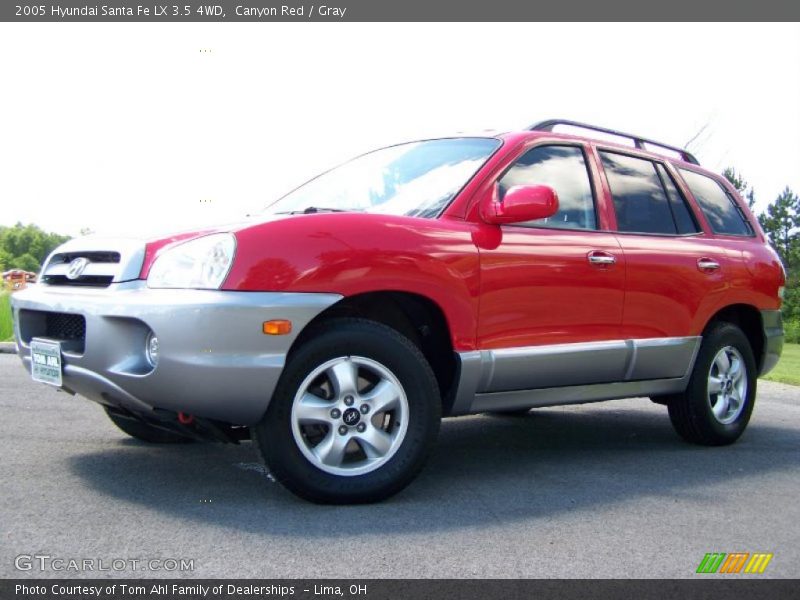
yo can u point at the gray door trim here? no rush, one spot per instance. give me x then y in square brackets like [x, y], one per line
[567, 373]
[576, 394]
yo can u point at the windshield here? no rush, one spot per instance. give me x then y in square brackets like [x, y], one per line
[418, 179]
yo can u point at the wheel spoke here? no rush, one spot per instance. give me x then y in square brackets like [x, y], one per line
[375, 442]
[714, 385]
[736, 397]
[721, 407]
[313, 409]
[344, 377]
[331, 449]
[723, 362]
[736, 369]
[382, 397]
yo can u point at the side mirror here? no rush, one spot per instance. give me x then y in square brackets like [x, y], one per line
[521, 203]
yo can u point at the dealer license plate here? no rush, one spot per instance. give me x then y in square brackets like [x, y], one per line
[46, 361]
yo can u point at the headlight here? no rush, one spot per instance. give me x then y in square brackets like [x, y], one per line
[202, 263]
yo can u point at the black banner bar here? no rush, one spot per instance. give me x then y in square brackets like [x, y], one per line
[394, 10]
[704, 587]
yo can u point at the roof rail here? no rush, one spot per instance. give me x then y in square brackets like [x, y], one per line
[638, 141]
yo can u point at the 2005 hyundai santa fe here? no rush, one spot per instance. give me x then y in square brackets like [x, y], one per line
[435, 278]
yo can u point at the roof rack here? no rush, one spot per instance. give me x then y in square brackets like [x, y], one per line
[638, 141]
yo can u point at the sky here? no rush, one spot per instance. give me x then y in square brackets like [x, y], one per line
[129, 129]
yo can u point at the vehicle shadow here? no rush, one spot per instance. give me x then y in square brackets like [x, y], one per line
[484, 470]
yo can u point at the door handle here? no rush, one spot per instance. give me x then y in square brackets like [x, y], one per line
[598, 257]
[707, 264]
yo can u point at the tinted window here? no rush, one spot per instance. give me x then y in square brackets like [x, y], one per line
[563, 168]
[640, 202]
[720, 209]
[684, 220]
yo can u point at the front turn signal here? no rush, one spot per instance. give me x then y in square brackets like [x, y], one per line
[277, 327]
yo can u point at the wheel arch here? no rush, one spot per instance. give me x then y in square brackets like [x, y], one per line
[417, 317]
[747, 318]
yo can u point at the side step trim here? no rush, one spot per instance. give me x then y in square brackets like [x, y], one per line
[576, 394]
[573, 373]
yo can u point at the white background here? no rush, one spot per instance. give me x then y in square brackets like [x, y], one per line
[133, 128]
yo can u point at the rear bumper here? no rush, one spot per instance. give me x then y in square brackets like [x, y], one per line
[773, 339]
[214, 360]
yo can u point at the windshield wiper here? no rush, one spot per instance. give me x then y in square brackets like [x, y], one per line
[309, 210]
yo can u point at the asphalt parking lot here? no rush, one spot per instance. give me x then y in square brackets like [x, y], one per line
[604, 490]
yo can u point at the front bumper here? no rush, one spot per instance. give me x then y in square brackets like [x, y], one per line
[214, 360]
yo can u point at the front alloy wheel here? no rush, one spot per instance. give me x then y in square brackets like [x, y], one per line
[350, 416]
[354, 416]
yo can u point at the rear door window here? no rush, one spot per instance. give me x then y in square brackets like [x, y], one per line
[684, 219]
[640, 200]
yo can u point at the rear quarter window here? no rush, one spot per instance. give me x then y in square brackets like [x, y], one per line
[718, 206]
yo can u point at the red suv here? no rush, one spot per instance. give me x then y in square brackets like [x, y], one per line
[435, 278]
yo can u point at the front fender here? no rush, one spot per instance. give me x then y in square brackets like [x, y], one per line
[356, 253]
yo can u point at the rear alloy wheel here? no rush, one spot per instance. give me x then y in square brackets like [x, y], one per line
[727, 385]
[354, 416]
[716, 406]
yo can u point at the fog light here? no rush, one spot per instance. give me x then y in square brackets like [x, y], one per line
[151, 349]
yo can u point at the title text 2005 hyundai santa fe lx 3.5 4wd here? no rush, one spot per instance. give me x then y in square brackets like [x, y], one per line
[435, 278]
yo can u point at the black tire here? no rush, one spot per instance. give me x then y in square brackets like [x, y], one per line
[275, 440]
[144, 432]
[691, 412]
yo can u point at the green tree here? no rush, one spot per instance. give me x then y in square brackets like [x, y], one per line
[26, 246]
[781, 222]
[741, 185]
[26, 262]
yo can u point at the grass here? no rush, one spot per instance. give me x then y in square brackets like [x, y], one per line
[6, 329]
[788, 369]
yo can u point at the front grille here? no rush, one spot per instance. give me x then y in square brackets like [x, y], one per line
[68, 328]
[85, 280]
[64, 326]
[93, 256]
[99, 271]
[104, 262]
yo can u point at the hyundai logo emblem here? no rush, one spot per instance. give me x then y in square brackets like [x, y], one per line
[351, 416]
[77, 267]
